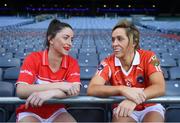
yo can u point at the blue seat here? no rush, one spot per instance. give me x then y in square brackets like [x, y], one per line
[3, 115]
[87, 72]
[103, 55]
[2, 50]
[88, 114]
[172, 113]
[173, 88]
[165, 73]
[11, 74]
[170, 55]
[9, 62]
[1, 74]
[6, 90]
[88, 50]
[166, 62]
[73, 54]
[20, 55]
[174, 73]
[84, 87]
[7, 55]
[88, 60]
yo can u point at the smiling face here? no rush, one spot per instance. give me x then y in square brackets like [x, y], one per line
[120, 43]
[62, 42]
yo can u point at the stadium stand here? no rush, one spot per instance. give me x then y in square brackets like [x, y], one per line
[92, 43]
[172, 88]
[6, 90]
[1, 73]
[90, 114]
[172, 113]
[11, 74]
[175, 73]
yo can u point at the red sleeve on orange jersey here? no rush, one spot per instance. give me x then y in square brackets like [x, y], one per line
[104, 71]
[153, 64]
[28, 70]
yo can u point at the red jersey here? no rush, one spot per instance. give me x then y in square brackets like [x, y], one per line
[36, 70]
[144, 64]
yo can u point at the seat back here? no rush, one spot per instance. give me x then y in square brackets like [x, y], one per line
[172, 113]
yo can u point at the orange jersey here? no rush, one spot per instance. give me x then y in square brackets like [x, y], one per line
[144, 64]
[35, 70]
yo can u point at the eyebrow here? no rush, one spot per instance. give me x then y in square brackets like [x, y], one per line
[67, 35]
[117, 36]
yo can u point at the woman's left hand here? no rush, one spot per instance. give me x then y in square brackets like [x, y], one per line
[124, 109]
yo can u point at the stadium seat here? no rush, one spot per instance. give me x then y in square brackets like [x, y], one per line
[1, 74]
[88, 60]
[178, 60]
[174, 73]
[172, 88]
[103, 55]
[3, 115]
[20, 55]
[105, 50]
[9, 62]
[165, 73]
[159, 50]
[88, 50]
[2, 50]
[84, 87]
[7, 55]
[170, 55]
[73, 54]
[87, 72]
[166, 62]
[11, 74]
[88, 114]
[172, 113]
[12, 117]
[6, 90]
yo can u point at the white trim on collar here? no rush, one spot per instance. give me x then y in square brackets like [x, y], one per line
[136, 60]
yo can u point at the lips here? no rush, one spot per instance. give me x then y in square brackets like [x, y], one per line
[67, 48]
[117, 50]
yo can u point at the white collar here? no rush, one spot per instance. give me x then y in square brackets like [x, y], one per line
[136, 60]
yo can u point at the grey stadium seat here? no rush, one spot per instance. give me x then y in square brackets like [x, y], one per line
[84, 87]
[11, 74]
[6, 90]
[88, 60]
[174, 73]
[173, 88]
[172, 113]
[87, 72]
[88, 114]
[9, 62]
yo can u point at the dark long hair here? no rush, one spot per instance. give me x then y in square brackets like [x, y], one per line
[54, 27]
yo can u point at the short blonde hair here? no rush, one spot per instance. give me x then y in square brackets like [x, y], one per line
[131, 31]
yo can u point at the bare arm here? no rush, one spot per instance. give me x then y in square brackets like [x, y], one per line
[36, 99]
[25, 90]
[97, 87]
[157, 87]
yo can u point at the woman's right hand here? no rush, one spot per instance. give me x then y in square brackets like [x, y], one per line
[137, 95]
[65, 86]
[72, 89]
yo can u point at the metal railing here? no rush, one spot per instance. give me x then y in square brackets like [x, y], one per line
[91, 99]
